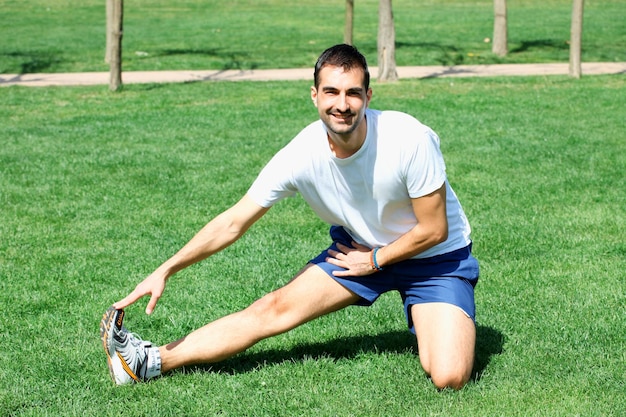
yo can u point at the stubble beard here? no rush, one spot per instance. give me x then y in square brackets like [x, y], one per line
[343, 129]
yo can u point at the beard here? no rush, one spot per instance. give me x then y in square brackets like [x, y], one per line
[342, 128]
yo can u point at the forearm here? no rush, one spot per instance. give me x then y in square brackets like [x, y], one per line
[217, 235]
[414, 242]
[430, 230]
[357, 260]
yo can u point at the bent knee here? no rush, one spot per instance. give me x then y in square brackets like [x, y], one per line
[453, 378]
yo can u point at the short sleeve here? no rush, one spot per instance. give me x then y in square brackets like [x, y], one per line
[425, 168]
[275, 181]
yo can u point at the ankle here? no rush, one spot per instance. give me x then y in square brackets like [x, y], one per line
[153, 368]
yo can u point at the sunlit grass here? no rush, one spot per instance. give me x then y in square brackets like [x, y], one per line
[64, 36]
[96, 189]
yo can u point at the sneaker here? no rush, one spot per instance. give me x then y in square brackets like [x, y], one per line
[130, 359]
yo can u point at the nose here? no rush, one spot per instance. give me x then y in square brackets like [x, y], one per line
[342, 103]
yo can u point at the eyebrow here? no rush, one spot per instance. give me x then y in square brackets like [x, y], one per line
[350, 90]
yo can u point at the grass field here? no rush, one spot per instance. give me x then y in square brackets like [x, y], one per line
[69, 36]
[96, 189]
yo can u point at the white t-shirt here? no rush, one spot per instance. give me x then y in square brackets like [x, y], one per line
[368, 193]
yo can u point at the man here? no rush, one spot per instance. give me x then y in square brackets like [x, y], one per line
[378, 178]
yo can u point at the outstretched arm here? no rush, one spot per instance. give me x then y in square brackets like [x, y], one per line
[218, 234]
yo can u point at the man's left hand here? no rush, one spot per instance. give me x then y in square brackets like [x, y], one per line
[354, 260]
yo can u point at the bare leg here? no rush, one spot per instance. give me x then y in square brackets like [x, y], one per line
[311, 294]
[446, 340]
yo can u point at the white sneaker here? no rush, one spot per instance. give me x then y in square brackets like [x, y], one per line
[130, 359]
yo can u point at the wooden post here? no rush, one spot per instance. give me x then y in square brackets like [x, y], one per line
[499, 46]
[386, 43]
[349, 28]
[575, 43]
[115, 48]
[109, 22]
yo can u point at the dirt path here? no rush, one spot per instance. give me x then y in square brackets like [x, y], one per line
[135, 77]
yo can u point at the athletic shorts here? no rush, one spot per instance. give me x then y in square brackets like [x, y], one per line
[448, 278]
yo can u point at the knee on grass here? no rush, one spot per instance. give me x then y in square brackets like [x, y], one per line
[454, 379]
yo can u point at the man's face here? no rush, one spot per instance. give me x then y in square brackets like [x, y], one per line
[341, 99]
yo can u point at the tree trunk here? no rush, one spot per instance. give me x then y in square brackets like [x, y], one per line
[575, 43]
[500, 41]
[349, 29]
[386, 43]
[109, 22]
[115, 49]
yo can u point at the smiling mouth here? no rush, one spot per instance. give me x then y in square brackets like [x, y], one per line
[342, 117]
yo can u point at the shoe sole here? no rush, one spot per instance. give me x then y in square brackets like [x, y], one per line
[109, 320]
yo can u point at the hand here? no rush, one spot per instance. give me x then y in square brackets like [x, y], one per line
[153, 285]
[355, 260]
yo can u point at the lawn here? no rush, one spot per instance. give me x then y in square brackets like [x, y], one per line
[96, 189]
[69, 36]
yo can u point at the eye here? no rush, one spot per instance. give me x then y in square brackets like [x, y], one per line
[357, 92]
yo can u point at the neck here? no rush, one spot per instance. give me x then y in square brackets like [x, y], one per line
[344, 146]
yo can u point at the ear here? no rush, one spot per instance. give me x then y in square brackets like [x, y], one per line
[369, 96]
[314, 95]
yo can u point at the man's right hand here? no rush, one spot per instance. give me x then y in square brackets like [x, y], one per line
[153, 285]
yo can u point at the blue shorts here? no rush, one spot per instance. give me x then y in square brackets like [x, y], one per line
[448, 278]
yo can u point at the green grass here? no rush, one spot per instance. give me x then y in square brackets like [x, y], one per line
[66, 36]
[96, 189]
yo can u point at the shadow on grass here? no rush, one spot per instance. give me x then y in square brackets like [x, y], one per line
[540, 44]
[32, 62]
[489, 343]
[230, 59]
[447, 55]
[450, 55]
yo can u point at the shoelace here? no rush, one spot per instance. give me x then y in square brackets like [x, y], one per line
[139, 346]
[133, 339]
[137, 341]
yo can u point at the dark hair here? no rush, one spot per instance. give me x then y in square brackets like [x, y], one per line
[345, 56]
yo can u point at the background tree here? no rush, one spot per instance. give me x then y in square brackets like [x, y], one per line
[500, 41]
[386, 43]
[109, 22]
[114, 26]
[576, 35]
[349, 29]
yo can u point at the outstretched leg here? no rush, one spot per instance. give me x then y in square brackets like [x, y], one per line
[446, 339]
[311, 294]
